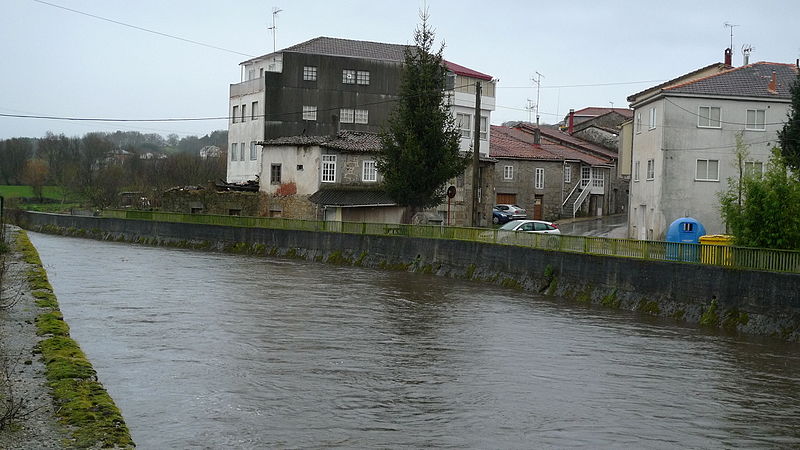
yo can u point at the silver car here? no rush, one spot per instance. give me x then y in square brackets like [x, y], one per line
[532, 226]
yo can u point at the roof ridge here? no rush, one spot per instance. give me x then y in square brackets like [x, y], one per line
[726, 72]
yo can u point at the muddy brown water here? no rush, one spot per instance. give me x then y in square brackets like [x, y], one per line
[208, 350]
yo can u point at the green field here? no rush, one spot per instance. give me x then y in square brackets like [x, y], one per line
[52, 194]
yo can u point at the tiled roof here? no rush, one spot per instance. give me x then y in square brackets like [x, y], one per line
[351, 197]
[594, 111]
[569, 140]
[715, 67]
[461, 70]
[514, 143]
[365, 49]
[346, 140]
[752, 80]
[352, 48]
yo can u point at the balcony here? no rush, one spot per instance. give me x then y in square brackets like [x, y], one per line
[247, 87]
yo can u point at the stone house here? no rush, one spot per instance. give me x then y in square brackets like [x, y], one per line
[336, 178]
[547, 178]
[684, 141]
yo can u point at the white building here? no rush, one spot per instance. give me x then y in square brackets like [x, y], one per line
[684, 141]
[324, 85]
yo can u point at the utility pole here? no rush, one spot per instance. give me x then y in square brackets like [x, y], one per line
[274, 28]
[476, 158]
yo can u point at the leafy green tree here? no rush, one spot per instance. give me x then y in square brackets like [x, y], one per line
[768, 214]
[420, 144]
[13, 155]
[789, 136]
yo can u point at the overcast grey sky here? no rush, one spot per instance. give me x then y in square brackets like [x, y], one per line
[60, 63]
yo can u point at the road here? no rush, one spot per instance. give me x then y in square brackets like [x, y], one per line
[615, 226]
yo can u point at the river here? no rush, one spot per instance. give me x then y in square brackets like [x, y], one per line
[210, 350]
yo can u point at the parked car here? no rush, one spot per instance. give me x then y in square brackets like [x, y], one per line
[516, 211]
[500, 217]
[532, 226]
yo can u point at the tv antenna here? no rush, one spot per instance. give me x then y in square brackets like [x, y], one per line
[274, 28]
[530, 108]
[731, 26]
[538, 81]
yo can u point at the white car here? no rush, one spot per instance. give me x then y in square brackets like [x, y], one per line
[532, 226]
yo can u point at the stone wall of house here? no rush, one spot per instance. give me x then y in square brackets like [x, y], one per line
[288, 206]
[207, 201]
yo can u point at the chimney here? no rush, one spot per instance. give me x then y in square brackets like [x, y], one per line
[537, 136]
[571, 125]
[773, 84]
[746, 59]
[728, 57]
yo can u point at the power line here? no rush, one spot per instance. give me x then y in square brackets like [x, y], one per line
[621, 83]
[143, 29]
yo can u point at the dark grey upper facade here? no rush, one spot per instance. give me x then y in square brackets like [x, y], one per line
[321, 94]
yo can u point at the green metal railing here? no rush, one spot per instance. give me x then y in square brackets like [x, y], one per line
[718, 255]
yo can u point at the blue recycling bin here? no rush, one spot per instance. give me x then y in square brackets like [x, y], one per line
[683, 239]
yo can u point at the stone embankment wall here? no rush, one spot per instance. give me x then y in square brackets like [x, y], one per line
[760, 303]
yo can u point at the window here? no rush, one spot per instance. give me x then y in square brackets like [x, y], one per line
[309, 73]
[244, 113]
[484, 121]
[753, 168]
[687, 227]
[369, 172]
[234, 149]
[638, 122]
[652, 123]
[567, 174]
[253, 152]
[508, 172]
[328, 168]
[309, 112]
[251, 73]
[235, 113]
[346, 115]
[275, 174]
[636, 171]
[299, 167]
[539, 184]
[707, 170]
[598, 180]
[463, 121]
[261, 73]
[755, 120]
[254, 111]
[586, 176]
[241, 151]
[708, 117]
[362, 77]
[651, 169]
[361, 116]
[349, 76]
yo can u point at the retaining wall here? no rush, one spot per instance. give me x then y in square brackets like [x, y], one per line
[762, 303]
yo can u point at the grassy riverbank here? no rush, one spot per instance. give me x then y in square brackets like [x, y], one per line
[81, 401]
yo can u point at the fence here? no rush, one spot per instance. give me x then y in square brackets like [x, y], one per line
[726, 256]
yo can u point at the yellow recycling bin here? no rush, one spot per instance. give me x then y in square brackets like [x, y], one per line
[716, 249]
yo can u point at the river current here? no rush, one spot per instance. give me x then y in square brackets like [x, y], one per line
[210, 350]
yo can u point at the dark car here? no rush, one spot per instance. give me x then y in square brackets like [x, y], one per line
[515, 211]
[500, 217]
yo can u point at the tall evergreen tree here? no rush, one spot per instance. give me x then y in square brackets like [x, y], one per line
[789, 136]
[420, 144]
